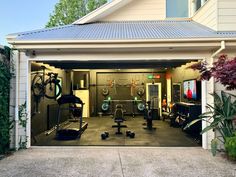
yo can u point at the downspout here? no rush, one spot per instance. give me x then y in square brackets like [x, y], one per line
[17, 55]
[222, 47]
[207, 138]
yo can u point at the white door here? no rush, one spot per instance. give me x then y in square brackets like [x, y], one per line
[154, 91]
[84, 96]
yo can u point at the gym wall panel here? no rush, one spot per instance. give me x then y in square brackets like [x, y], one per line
[123, 90]
[180, 74]
[39, 119]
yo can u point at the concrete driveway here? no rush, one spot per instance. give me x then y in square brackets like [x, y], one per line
[116, 162]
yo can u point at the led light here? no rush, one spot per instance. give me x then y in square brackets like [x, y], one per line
[149, 76]
[154, 76]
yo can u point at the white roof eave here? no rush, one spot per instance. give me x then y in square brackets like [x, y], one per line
[12, 41]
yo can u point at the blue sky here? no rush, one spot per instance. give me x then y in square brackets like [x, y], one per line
[23, 15]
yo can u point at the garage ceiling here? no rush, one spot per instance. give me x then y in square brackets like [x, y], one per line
[145, 64]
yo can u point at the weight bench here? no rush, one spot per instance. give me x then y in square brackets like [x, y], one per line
[119, 119]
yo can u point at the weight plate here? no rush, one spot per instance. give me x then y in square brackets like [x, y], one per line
[140, 91]
[105, 107]
[141, 107]
[105, 91]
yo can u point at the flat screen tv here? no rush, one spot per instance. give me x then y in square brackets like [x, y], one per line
[191, 89]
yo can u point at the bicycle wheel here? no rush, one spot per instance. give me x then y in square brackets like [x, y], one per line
[53, 89]
[37, 85]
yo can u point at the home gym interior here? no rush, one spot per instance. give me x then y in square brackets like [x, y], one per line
[128, 103]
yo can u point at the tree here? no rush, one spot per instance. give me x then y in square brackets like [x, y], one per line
[5, 77]
[223, 70]
[94, 4]
[68, 11]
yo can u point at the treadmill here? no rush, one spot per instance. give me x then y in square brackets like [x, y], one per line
[75, 106]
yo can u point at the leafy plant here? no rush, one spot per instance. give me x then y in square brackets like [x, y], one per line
[214, 144]
[230, 146]
[220, 116]
[223, 70]
[23, 115]
[23, 122]
[22, 143]
[5, 123]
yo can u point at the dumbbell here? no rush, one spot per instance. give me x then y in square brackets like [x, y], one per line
[104, 135]
[130, 134]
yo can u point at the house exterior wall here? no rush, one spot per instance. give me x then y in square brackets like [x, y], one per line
[140, 10]
[218, 15]
[207, 14]
[226, 15]
[12, 108]
[20, 134]
[24, 132]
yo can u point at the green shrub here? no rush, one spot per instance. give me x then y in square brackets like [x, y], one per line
[230, 147]
[5, 123]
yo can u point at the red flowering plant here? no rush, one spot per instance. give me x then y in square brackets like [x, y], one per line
[221, 116]
[223, 70]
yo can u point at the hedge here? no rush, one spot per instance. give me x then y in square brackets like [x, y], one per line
[5, 123]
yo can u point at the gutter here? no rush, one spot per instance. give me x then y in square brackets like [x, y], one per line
[14, 42]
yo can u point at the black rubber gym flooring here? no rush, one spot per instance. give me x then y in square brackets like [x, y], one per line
[163, 136]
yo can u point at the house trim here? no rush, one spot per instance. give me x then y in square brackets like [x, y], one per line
[13, 42]
[103, 11]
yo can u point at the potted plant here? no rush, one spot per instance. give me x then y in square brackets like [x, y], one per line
[222, 116]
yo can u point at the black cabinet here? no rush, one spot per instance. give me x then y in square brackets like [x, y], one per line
[190, 112]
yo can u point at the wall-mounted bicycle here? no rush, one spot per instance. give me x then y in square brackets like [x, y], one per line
[46, 84]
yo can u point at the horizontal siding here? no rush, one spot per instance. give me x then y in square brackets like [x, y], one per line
[140, 10]
[227, 27]
[224, 19]
[227, 4]
[227, 15]
[207, 15]
[227, 11]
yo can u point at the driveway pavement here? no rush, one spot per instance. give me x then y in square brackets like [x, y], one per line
[116, 162]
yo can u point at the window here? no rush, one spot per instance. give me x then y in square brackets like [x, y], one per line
[198, 4]
[177, 8]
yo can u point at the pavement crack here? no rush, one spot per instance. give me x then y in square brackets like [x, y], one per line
[121, 164]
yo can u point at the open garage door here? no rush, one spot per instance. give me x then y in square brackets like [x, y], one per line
[135, 103]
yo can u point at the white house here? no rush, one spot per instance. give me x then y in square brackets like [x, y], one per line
[126, 34]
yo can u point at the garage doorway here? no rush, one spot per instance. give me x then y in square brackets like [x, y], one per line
[103, 87]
